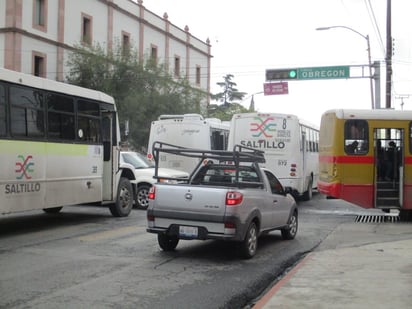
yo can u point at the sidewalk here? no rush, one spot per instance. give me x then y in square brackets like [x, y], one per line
[359, 265]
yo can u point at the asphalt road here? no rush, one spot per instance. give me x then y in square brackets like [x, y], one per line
[85, 258]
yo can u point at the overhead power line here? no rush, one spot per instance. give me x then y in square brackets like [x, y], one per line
[375, 25]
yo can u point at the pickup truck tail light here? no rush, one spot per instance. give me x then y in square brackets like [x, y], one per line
[152, 193]
[233, 198]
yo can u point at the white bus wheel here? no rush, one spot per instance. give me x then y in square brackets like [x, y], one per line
[124, 199]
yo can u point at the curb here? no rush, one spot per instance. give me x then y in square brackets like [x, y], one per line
[270, 294]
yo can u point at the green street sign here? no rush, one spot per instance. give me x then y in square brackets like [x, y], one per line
[324, 73]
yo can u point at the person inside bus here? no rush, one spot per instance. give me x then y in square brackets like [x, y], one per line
[380, 160]
[353, 132]
[389, 161]
[352, 148]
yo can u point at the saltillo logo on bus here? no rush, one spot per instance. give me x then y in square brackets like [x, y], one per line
[263, 144]
[17, 188]
[263, 126]
[24, 167]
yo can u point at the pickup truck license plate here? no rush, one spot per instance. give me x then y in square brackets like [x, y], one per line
[188, 231]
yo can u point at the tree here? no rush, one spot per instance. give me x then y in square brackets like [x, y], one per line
[225, 113]
[143, 90]
[229, 93]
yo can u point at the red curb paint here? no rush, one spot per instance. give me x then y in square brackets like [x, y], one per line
[263, 301]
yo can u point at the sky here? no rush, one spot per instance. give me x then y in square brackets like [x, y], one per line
[249, 37]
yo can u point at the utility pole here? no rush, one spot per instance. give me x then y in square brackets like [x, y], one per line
[377, 78]
[388, 55]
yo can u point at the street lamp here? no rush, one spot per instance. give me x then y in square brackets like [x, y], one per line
[366, 37]
[252, 100]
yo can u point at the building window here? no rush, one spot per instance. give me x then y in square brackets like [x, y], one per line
[153, 54]
[86, 29]
[39, 64]
[177, 66]
[198, 75]
[40, 15]
[125, 43]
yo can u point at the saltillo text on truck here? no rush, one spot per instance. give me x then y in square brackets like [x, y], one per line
[228, 196]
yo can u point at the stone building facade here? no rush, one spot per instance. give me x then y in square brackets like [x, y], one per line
[36, 36]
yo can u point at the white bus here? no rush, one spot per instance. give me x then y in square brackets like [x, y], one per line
[190, 131]
[290, 145]
[59, 146]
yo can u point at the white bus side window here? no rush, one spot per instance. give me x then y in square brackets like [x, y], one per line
[89, 120]
[60, 113]
[27, 112]
[218, 140]
[3, 119]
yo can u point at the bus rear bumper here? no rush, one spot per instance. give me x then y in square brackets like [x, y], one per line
[358, 194]
[330, 189]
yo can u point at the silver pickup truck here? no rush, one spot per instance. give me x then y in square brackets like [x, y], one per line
[228, 196]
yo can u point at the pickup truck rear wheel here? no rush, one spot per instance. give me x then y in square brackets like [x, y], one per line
[166, 242]
[248, 246]
[291, 230]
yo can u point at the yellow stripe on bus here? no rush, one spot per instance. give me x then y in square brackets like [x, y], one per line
[42, 148]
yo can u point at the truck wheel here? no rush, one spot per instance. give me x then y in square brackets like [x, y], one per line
[166, 242]
[291, 230]
[307, 195]
[248, 246]
[124, 200]
[53, 210]
[142, 199]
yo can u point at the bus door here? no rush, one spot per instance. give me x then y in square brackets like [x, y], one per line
[389, 168]
[108, 167]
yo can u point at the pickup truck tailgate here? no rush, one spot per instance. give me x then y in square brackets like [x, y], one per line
[198, 203]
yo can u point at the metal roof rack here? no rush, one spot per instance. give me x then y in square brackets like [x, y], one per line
[239, 154]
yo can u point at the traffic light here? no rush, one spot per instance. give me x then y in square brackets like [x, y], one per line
[281, 74]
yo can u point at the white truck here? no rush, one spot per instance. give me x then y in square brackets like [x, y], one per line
[228, 196]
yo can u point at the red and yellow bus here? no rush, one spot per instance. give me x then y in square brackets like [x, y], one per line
[365, 158]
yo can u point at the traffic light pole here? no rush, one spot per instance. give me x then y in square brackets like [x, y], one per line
[366, 37]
